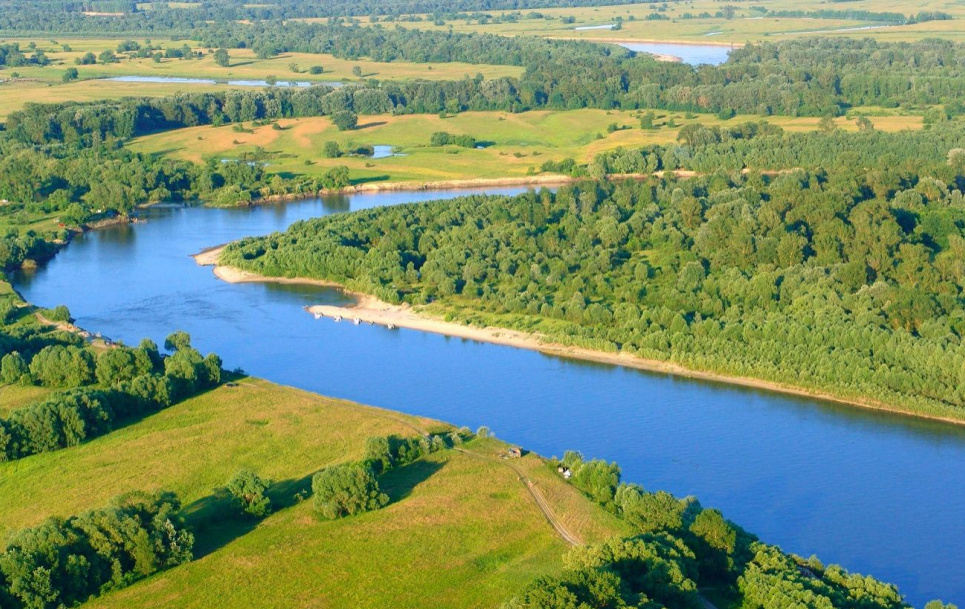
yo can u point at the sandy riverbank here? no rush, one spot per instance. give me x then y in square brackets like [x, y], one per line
[230, 274]
[370, 310]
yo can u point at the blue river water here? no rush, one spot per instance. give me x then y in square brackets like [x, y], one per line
[880, 494]
[695, 54]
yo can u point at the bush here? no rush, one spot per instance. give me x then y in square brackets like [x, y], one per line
[330, 150]
[345, 120]
[346, 490]
[13, 368]
[60, 366]
[248, 491]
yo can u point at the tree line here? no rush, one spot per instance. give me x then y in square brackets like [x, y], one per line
[66, 562]
[97, 391]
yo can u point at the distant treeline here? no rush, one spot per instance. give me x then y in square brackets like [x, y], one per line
[845, 278]
[766, 147]
[861, 15]
[681, 547]
[67, 15]
[810, 77]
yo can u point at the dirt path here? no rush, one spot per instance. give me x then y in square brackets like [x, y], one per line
[541, 503]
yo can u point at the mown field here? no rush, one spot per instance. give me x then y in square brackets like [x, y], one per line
[243, 65]
[746, 25]
[462, 529]
[45, 83]
[516, 144]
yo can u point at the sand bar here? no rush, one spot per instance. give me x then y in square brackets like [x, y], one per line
[370, 310]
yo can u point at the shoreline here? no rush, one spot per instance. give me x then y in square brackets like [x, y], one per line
[692, 43]
[416, 186]
[370, 310]
[466, 184]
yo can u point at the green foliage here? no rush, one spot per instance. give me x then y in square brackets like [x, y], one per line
[442, 138]
[331, 150]
[573, 590]
[62, 563]
[222, 58]
[774, 579]
[130, 384]
[14, 369]
[63, 366]
[248, 491]
[346, 490]
[597, 478]
[345, 120]
[835, 280]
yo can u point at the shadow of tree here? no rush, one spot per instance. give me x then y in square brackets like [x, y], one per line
[369, 125]
[400, 482]
[217, 521]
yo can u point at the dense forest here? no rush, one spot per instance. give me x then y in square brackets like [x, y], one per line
[843, 279]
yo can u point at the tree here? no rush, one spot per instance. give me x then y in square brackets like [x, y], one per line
[248, 491]
[13, 368]
[70, 74]
[88, 59]
[316, 70]
[346, 490]
[177, 340]
[864, 124]
[331, 150]
[826, 124]
[646, 121]
[345, 120]
[222, 58]
[357, 71]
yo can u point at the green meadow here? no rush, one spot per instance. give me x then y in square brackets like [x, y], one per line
[515, 145]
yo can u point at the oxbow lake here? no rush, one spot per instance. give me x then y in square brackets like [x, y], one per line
[880, 494]
[694, 54]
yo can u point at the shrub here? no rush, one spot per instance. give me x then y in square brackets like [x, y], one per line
[248, 491]
[346, 490]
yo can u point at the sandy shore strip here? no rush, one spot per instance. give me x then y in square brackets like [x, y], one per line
[230, 274]
[370, 310]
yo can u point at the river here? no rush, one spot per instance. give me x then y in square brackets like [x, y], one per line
[880, 494]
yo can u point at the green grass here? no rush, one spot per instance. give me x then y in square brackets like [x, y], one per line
[520, 143]
[462, 530]
[13, 397]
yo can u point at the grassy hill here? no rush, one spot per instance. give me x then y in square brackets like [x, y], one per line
[462, 528]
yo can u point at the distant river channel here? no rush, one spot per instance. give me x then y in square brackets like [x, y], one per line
[878, 493]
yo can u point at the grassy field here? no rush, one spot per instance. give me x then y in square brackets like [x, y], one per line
[244, 65]
[516, 143]
[16, 396]
[746, 25]
[462, 529]
[45, 84]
